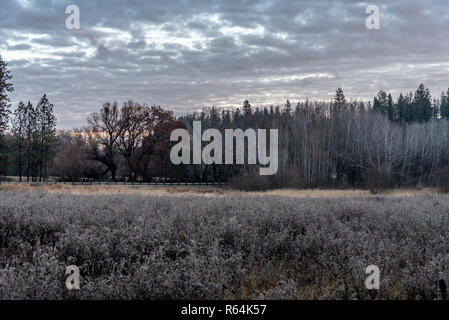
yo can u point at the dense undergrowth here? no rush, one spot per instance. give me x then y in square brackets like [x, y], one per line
[221, 247]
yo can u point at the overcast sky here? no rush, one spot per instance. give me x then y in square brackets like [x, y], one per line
[185, 55]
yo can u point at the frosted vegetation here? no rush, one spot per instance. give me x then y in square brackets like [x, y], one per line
[221, 245]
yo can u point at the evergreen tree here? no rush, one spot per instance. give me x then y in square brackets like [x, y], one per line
[246, 109]
[18, 127]
[46, 126]
[435, 108]
[380, 102]
[352, 106]
[287, 108]
[214, 118]
[410, 114]
[339, 100]
[236, 118]
[422, 105]
[401, 108]
[277, 112]
[226, 119]
[247, 114]
[391, 109]
[271, 112]
[297, 108]
[30, 140]
[444, 105]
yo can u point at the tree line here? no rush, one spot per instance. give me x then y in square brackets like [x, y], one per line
[32, 135]
[340, 143]
[33, 130]
[343, 143]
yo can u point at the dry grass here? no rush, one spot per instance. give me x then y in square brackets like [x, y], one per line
[323, 193]
[115, 190]
[211, 191]
[216, 243]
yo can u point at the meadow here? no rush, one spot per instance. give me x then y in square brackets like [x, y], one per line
[205, 243]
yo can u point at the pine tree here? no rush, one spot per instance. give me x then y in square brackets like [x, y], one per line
[30, 140]
[287, 108]
[422, 105]
[444, 105]
[410, 114]
[339, 100]
[277, 112]
[214, 118]
[19, 134]
[297, 109]
[46, 125]
[226, 119]
[352, 106]
[246, 109]
[247, 114]
[435, 108]
[380, 102]
[236, 118]
[392, 116]
[401, 108]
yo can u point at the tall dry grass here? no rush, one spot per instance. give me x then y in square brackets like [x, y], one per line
[208, 191]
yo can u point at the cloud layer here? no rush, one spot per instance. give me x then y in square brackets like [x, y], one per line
[186, 55]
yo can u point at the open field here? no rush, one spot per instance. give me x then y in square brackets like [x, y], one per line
[205, 243]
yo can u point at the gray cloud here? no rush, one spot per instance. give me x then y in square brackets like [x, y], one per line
[185, 55]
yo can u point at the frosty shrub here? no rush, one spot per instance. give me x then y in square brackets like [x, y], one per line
[228, 246]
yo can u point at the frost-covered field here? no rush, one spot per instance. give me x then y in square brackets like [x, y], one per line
[212, 244]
